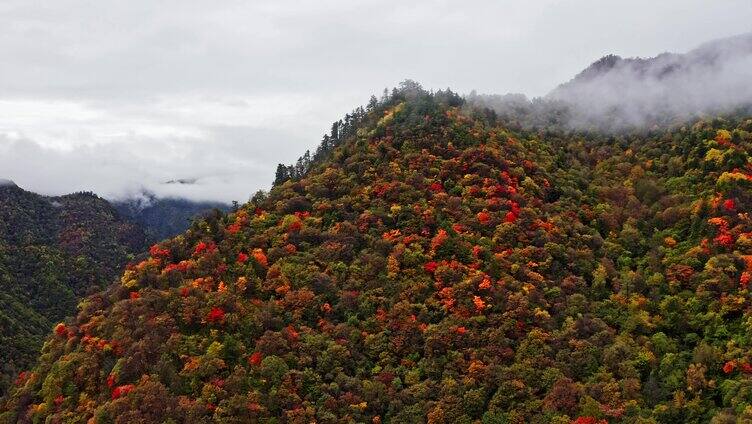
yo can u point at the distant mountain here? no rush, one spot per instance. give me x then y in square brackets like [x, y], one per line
[164, 217]
[708, 56]
[53, 251]
[618, 92]
[615, 94]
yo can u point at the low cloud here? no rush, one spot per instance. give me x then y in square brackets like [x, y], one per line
[228, 146]
[219, 165]
[710, 79]
[616, 94]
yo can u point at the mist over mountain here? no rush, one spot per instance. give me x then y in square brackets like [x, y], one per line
[163, 217]
[615, 93]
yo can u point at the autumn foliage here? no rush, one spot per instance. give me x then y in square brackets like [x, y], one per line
[438, 266]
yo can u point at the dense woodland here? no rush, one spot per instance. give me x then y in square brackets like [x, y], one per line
[53, 251]
[433, 265]
[56, 250]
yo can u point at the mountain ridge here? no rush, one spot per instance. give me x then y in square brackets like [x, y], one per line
[616, 95]
[664, 64]
[634, 92]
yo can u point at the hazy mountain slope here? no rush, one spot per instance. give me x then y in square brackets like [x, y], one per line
[615, 94]
[164, 217]
[711, 79]
[437, 267]
[53, 251]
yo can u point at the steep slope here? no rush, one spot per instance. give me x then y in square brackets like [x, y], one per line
[53, 251]
[163, 217]
[436, 267]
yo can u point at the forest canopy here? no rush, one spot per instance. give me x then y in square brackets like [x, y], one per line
[431, 264]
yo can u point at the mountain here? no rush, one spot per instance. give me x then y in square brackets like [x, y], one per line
[56, 250]
[53, 251]
[707, 57]
[710, 79]
[434, 265]
[615, 94]
[164, 217]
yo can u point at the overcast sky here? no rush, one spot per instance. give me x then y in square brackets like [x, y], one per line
[112, 96]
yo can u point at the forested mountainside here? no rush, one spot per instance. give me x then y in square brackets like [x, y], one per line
[53, 251]
[163, 217]
[435, 266]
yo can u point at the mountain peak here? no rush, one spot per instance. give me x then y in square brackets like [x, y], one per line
[617, 93]
[664, 64]
[599, 67]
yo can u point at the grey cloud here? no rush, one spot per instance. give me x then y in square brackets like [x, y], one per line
[232, 166]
